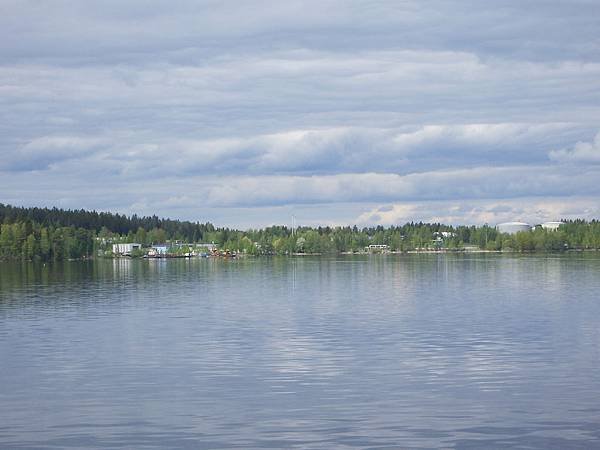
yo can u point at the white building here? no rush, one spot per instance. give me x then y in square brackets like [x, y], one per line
[160, 249]
[378, 248]
[445, 234]
[125, 249]
[551, 226]
[209, 247]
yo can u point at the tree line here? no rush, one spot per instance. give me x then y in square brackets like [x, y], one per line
[95, 221]
[413, 236]
[29, 240]
[56, 234]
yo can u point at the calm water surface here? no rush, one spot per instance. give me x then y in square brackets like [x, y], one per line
[398, 352]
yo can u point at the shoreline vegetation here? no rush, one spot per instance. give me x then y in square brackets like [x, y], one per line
[52, 234]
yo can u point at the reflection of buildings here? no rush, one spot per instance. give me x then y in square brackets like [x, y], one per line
[121, 267]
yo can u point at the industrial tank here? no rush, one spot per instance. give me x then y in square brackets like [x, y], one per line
[513, 227]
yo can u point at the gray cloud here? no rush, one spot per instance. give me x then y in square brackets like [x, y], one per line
[43, 152]
[482, 182]
[112, 31]
[271, 105]
[304, 151]
[277, 190]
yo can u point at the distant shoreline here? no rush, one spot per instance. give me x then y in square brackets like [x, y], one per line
[45, 235]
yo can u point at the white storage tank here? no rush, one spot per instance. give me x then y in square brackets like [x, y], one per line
[513, 227]
[551, 226]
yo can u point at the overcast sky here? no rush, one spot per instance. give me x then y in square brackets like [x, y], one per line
[339, 112]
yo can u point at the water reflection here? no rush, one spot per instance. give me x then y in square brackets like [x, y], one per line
[419, 351]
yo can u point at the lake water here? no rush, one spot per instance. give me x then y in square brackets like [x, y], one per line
[382, 352]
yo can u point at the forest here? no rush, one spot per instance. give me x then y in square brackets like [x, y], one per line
[54, 234]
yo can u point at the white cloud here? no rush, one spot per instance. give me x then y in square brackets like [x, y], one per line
[326, 150]
[583, 152]
[478, 212]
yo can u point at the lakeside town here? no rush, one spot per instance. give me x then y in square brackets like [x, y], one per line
[162, 250]
[441, 242]
[44, 234]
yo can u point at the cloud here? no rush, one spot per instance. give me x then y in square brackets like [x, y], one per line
[389, 215]
[111, 31]
[41, 153]
[481, 182]
[300, 151]
[477, 212]
[582, 152]
[326, 199]
[198, 108]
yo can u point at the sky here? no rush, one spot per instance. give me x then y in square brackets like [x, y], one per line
[244, 113]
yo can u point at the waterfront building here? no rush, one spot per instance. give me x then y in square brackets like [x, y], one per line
[160, 249]
[378, 248]
[125, 249]
[206, 248]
